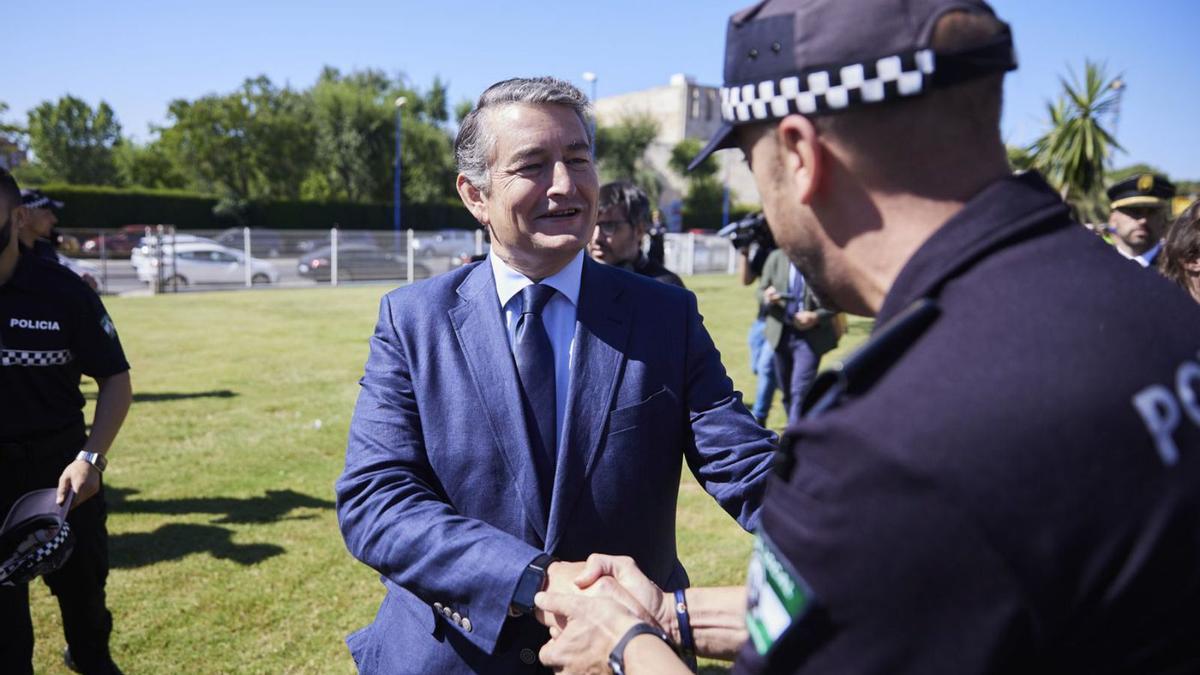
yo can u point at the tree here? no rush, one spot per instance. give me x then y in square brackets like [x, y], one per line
[255, 142]
[148, 165]
[73, 142]
[1075, 151]
[621, 152]
[705, 196]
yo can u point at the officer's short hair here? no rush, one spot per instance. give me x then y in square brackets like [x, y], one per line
[476, 139]
[631, 198]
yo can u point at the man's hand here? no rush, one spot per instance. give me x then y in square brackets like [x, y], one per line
[560, 578]
[587, 630]
[81, 477]
[772, 296]
[805, 320]
[655, 607]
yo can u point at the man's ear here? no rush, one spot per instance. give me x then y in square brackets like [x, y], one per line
[473, 198]
[20, 216]
[801, 155]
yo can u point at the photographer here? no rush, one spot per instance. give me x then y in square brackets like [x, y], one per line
[754, 243]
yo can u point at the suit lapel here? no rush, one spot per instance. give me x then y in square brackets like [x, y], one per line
[479, 326]
[602, 328]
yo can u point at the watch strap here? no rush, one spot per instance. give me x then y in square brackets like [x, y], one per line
[687, 643]
[530, 583]
[94, 458]
[616, 658]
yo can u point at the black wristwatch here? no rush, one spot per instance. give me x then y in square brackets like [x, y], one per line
[616, 658]
[531, 582]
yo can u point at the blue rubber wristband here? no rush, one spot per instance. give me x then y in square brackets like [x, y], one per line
[687, 644]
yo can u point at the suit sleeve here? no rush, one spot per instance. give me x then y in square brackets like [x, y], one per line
[727, 451]
[393, 511]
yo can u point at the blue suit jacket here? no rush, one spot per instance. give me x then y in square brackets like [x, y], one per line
[439, 492]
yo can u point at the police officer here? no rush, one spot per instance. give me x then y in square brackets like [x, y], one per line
[1138, 220]
[1006, 477]
[35, 221]
[52, 329]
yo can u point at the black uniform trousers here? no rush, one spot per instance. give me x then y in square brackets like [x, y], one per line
[79, 584]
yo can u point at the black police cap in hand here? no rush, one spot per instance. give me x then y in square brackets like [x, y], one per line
[35, 538]
[817, 57]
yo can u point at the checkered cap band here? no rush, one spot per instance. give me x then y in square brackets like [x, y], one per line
[825, 91]
[25, 357]
[19, 566]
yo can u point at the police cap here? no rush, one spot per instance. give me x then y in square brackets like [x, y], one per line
[36, 199]
[35, 538]
[816, 57]
[1143, 189]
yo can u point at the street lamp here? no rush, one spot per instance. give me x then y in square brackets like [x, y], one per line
[591, 77]
[396, 186]
[1118, 87]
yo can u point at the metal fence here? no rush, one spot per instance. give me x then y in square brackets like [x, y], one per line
[159, 259]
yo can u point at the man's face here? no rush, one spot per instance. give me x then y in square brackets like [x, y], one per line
[1140, 227]
[38, 222]
[541, 201]
[616, 241]
[792, 224]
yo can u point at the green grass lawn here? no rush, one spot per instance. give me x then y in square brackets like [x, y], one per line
[225, 551]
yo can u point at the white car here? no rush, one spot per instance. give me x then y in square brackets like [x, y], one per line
[148, 246]
[201, 263]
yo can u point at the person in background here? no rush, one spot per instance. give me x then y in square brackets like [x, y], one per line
[624, 216]
[1180, 258]
[1139, 216]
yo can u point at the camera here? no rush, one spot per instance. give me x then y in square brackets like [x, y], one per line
[749, 230]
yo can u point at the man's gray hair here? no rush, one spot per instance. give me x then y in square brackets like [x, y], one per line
[475, 142]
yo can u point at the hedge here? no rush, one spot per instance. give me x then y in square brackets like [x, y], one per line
[88, 206]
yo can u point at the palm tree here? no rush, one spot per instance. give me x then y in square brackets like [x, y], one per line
[1076, 150]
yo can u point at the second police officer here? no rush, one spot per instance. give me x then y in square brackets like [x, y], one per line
[1006, 477]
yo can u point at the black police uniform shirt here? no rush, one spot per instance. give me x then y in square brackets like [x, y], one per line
[1017, 489]
[52, 329]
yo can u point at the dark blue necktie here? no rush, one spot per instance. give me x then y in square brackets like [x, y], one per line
[535, 365]
[796, 290]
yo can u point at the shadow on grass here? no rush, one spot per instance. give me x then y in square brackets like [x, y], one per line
[174, 541]
[274, 506]
[155, 397]
[178, 540]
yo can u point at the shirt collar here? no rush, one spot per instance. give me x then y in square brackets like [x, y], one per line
[1146, 259]
[509, 282]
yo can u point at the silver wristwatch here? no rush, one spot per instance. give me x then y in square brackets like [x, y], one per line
[94, 458]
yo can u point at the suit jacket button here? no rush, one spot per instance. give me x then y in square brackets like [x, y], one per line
[466, 624]
[437, 607]
[528, 657]
[456, 618]
[446, 612]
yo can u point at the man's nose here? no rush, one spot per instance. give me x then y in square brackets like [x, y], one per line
[562, 182]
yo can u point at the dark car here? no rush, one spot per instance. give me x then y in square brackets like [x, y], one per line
[119, 244]
[263, 242]
[358, 262]
[344, 237]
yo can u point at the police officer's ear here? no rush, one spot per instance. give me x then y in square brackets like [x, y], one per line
[20, 216]
[801, 156]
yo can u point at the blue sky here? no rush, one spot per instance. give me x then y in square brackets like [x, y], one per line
[138, 55]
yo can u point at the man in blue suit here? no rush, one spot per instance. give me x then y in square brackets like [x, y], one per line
[529, 409]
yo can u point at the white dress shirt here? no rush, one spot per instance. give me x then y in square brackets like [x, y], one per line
[558, 316]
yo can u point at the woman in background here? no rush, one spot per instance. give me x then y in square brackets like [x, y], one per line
[1180, 261]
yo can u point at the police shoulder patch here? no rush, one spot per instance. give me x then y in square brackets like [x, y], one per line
[107, 324]
[778, 595]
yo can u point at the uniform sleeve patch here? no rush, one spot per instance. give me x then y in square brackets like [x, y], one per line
[107, 324]
[778, 595]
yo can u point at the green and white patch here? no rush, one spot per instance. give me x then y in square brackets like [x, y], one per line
[778, 596]
[107, 324]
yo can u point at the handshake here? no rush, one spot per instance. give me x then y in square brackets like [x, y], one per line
[590, 606]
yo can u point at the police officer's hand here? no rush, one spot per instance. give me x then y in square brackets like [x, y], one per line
[805, 320]
[603, 569]
[589, 630]
[771, 296]
[81, 477]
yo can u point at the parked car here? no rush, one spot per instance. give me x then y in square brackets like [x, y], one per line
[202, 263]
[444, 243]
[148, 246]
[358, 261]
[262, 241]
[118, 244]
[344, 237]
